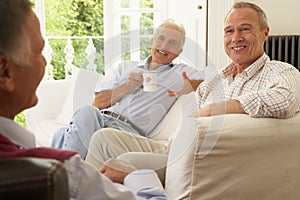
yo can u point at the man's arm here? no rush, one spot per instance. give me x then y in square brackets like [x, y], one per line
[85, 182]
[227, 107]
[108, 98]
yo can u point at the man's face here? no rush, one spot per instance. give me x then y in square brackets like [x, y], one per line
[166, 46]
[28, 76]
[243, 37]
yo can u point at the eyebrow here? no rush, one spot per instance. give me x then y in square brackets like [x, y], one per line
[244, 24]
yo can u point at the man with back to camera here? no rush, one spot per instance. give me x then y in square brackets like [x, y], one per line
[22, 67]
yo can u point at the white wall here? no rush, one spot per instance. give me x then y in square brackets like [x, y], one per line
[217, 11]
[187, 13]
[283, 15]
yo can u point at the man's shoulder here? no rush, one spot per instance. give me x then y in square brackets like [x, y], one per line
[279, 66]
[191, 71]
[183, 66]
[126, 66]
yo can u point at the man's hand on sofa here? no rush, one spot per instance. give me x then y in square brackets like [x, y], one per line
[116, 170]
[227, 107]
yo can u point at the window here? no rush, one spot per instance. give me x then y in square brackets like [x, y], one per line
[129, 28]
[123, 32]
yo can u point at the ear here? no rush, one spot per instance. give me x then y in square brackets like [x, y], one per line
[151, 41]
[178, 53]
[6, 79]
[266, 32]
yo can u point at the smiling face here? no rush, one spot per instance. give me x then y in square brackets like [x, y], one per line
[244, 37]
[166, 45]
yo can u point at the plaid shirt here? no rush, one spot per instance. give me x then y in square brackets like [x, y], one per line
[264, 89]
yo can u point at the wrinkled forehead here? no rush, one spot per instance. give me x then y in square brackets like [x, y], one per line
[242, 15]
[170, 32]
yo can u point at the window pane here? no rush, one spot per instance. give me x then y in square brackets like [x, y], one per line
[145, 47]
[124, 3]
[125, 37]
[125, 49]
[146, 33]
[65, 18]
[146, 23]
[34, 3]
[146, 3]
[125, 24]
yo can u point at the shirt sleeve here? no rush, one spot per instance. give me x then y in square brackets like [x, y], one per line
[85, 182]
[146, 184]
[279, 99]
[117, 76]
[110, 80]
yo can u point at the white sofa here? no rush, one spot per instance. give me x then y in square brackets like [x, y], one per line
[59, 99]
[230, 157]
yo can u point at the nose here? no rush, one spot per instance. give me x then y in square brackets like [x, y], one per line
[165, 45]
[45, 61]
[237, 36]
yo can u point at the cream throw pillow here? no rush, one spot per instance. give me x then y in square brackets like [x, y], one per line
[80, 94]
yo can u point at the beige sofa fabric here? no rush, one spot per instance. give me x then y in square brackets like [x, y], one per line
[251, 159]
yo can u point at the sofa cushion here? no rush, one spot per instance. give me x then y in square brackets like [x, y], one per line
[168, 127]
[236, 157]
[80, 94]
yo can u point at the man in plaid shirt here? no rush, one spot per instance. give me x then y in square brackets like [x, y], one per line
[251, 84]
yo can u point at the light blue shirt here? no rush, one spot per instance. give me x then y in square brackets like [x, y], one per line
[146, 109]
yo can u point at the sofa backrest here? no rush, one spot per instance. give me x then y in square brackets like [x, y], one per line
[239, 157]
[168, 127]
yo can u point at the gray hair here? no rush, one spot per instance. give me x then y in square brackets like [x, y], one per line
[261, 14]
[14, 42]
[170, 23]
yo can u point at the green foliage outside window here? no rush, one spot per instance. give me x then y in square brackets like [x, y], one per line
[85, 18]
[74, 18]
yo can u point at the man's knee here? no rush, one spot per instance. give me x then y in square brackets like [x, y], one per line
[87, 110]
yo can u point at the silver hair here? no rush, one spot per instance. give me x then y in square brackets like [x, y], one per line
[14, 42]
[261, 14]
[170, 23]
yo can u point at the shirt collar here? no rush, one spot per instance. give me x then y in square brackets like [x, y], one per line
[231, 69]
[145, 63]
[16, 133]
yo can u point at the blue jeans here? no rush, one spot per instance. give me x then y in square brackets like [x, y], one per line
[86, 120]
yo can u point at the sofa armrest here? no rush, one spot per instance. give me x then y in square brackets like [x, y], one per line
[33, 178]
[168, 127]
[51, 95]
[236, 157]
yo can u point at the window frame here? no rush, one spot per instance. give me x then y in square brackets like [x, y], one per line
[112, 27]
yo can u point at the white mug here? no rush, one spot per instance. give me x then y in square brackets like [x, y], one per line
[150, 81]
